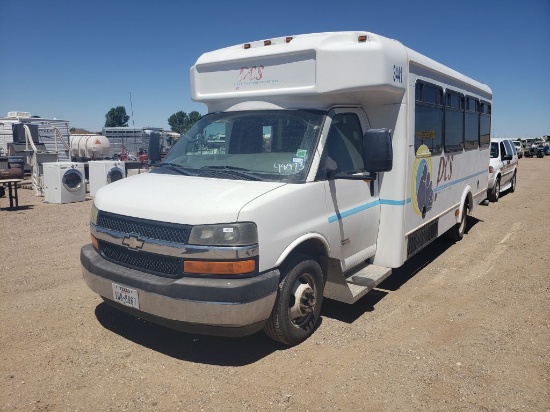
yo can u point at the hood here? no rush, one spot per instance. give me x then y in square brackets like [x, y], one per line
[180, 199]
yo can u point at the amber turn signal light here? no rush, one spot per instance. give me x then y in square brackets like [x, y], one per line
[219, 268]
[95, 242]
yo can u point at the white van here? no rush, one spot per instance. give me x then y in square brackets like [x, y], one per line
[503, 168]
[325, 161]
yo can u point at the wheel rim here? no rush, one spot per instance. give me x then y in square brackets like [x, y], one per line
[302, 302]
[514, 183]
[497, 189]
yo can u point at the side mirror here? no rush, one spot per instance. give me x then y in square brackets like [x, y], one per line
[154, 147]
[377, 150]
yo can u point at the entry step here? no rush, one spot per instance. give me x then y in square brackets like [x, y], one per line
[357, 284]
[369, 275]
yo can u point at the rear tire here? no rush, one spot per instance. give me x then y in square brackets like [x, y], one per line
[297, 308]
[513, 183]
[456, 233]
[495, 191]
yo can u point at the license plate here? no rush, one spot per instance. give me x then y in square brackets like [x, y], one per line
[125, 296]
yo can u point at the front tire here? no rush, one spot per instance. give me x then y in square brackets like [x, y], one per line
[495, 191]
[297, 308]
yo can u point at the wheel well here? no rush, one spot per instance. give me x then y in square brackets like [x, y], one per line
[311, 247]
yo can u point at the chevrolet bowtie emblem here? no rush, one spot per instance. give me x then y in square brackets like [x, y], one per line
[132, 242]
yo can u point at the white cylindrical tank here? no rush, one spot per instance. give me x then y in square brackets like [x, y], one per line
[90, 146]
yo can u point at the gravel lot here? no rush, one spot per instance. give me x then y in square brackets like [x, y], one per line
[461, 326]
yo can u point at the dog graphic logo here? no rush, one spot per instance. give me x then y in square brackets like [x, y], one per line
[422, 194]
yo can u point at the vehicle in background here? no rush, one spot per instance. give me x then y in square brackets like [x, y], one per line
[535, 150]
[503, 166]
[519, 148]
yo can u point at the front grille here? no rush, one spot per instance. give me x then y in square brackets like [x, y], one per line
[158, 264]
[144, 228]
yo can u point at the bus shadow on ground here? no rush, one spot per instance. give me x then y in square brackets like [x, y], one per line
[399, 277]
[245, 350]
[212, 350]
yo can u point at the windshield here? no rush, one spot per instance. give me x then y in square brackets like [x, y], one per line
[251, 145]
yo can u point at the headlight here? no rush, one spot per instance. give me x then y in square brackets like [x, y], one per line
[93, 214]
[231, 234]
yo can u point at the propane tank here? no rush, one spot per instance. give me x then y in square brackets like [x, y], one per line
[90, 146]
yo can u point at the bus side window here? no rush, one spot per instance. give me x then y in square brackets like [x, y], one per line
[484, 124]
[471, 124]
[429, 117]
[454, 121]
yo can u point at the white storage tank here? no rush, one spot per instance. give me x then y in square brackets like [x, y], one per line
[90, 146]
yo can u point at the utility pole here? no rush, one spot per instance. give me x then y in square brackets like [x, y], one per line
[133, 125]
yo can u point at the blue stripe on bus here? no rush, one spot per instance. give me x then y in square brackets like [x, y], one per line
[353, 211]
[394, 202]
[390, 202]
[454, 182]
[366, 206]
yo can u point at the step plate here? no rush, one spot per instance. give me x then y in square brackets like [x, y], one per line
[356, 285]
[371, 275]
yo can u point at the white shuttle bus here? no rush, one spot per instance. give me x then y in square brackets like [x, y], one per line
[325, 160]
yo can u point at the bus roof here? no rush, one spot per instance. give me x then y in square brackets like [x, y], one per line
[316, 70]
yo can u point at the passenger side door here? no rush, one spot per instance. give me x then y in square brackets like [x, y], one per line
[352, 205]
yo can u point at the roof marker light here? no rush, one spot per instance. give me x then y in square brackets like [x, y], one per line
[246, 46]
[267, 42]
[362, 39]
[288, 39]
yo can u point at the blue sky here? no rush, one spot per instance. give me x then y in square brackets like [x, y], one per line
[76, 60]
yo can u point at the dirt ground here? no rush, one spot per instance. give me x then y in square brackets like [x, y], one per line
[462, 326]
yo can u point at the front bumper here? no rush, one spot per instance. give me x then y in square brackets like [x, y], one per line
[227, 307]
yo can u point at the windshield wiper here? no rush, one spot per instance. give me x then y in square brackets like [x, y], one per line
[237, 171]
[182, 170]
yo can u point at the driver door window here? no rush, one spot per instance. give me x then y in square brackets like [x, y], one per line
[345, 142]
